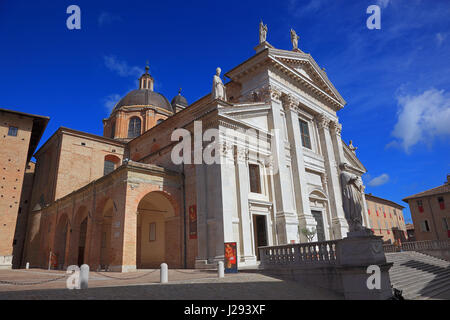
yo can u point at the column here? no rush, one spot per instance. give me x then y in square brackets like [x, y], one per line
[286, 218]
[306, 220]
[244, 214]
[338, 221]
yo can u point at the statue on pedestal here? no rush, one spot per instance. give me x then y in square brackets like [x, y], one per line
[352, 199]
[262, 32]
[294, 39]
[218, 90]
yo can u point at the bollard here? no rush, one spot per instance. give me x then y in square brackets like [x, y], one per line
[27, 266]
[164, 273]
[84, 276]
[220, 269]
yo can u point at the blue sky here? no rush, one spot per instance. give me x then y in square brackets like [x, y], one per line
[395, 80]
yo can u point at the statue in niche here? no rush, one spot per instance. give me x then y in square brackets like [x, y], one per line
[262, 32]
[218, 90]
[352, 198]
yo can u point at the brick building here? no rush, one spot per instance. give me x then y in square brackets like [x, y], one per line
[430, 211]
[386, 219]
[20, 134]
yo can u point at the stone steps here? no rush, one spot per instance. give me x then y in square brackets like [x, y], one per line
[418, 275]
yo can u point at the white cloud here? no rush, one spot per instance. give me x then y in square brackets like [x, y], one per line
[300, 9]
[440, 38]
[378, 181]
[383, 3]
[121, 67]
[421, 118]
[110, 101]
[107, 18]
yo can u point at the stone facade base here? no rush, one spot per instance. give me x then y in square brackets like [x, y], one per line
[6, 262]
[122, 268]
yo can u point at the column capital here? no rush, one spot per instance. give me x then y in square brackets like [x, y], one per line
[225, 149]
[336, 127]
[289, 102]
[323, 122]
[241, 154]
[270, 92]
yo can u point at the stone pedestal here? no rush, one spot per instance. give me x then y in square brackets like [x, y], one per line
[355, 254]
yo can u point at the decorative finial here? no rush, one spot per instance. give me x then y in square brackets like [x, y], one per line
[147, 67]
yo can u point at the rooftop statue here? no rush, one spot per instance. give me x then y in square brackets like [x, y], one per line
[294, 39]
[218, 90]
[262, 32]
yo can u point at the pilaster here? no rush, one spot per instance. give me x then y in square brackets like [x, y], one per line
[338, 221]
[306, 220]
[286, 218]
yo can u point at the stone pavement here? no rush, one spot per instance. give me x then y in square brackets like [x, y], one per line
[183, 284]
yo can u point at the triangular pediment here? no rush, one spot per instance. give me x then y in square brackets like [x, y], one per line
[303, 65]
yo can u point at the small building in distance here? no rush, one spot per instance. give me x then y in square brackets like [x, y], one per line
[386, 219]
[430, 212]
[410, 232]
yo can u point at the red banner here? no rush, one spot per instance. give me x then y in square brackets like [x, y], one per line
[193, 222]
[230, 257]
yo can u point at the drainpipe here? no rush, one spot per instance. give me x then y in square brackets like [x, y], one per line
[184, 217]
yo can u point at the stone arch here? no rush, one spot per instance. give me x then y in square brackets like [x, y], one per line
[158, 236]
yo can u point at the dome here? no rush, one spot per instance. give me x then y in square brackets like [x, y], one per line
[180, 100]
[144, 97]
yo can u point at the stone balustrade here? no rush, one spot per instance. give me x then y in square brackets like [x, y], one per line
[338, 265]
[419, 246]
[317, 253]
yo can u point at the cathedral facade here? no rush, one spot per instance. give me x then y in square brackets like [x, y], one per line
[119, 201]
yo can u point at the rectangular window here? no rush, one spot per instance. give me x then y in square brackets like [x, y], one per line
[424, 226]
[255, 182]
[441, 203]
[420, 205]
[445, 224]
[12, 131]
[152, 232]
[304, 131]
[108, 168]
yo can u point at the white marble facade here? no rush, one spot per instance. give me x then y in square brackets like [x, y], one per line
[259, 125]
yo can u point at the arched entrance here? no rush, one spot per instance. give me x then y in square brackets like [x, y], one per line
[61, 240]
[105, 242]
[155, 221]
